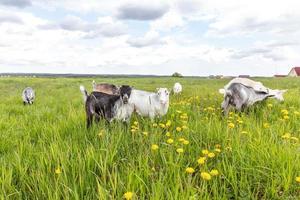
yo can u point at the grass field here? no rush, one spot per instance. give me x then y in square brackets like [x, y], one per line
[47, 153]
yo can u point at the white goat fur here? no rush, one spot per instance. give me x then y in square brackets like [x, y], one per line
[177, 89]
[149, 104]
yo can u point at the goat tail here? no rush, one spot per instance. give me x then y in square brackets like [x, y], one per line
[84, 92]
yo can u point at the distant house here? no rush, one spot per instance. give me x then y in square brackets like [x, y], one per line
[244, 76]
[295, 72]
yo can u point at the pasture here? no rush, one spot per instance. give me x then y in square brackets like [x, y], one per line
[46, 152]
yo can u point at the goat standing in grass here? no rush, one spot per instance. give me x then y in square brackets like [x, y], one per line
[28, 96]
[102, 105]
[150, 104]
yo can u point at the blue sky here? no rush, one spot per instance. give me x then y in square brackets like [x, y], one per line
[193, 37]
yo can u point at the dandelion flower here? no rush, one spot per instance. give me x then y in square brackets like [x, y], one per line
[244, 132]
[168, 134]
[170, 141]
[201, 160]
[185, 142]
[178, 129]
[154, 125]
[162, 125]
[231, 125]
[211, 155]
[286, 117]
[189, 170]
[298, 179]
[214, 172]
[270, 105]
[184, 127]
[266, 125]
[128, 195]
[295, 139]
[181, 139]
[58, 170]
[284, 112]
[101, 133]
[205, 151]
[145, 133]
[154, 147]
[168, 124]
[206, 176]
[179, 150]
[286, 136]
[217, 150]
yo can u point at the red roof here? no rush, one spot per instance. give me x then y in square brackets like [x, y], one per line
[297, 70]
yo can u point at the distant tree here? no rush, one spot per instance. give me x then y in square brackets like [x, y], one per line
[176, 74]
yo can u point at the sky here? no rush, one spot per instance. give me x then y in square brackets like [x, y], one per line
[158, 37]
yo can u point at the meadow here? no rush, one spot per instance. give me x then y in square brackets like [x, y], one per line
[193, 152]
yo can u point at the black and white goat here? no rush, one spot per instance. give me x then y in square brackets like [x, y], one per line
[107, 106]
[28, 96]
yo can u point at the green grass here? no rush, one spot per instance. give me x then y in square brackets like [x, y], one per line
[255, 162]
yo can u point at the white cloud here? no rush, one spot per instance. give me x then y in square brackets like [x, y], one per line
[142, 10]
[194, 37]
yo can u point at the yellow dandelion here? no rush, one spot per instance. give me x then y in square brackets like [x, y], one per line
[162, 125]
[298, 179]
[201, 160]
[168, 124]
[184, 127]
[154, 147]
[270, 105]
[101, 133]
[170, 141]
[58, 170]
[133, 130]
[296, 113]
[181, 139]
[205, 151]
[266, 125]
[286, 117]
[214, 172]
[206, 176]
[211, 155]
[185, 142]
[228, 148]
[217, 150]
[128, 195]
[295, 139]
[145, 133]
[244, 132]
[286, 136]
[189, 170]
[178, 129]
[179, 150]
[135, 123]
[168, 134]
[154, 125]
[284, 112]
[231, 125]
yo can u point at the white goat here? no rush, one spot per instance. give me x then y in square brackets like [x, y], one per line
[28, 96]
[149, 104]
[177, 89]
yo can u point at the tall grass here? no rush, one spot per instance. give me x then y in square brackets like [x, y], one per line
[47, 153]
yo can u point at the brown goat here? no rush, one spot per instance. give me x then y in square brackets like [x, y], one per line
[106, 88]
